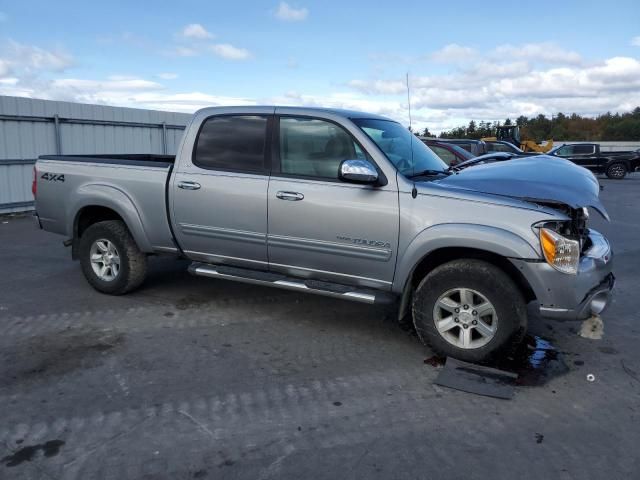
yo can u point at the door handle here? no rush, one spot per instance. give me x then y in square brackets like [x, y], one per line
[189, 185]
[291, 196]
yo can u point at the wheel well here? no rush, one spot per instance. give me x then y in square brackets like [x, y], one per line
[443, 255]
[623, 162]
[86, 217]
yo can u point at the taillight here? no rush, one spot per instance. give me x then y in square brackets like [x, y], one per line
[34, 184]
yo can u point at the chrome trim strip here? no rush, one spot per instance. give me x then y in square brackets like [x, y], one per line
[331, 248]
[210, 271]
[313, 270]
[223, 233]
[222, 259]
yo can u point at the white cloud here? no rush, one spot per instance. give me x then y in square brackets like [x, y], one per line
[291, 14]
[483, 87]
[453, 53]
[486, 70]
[33, 58]
[493, 90]
[197, 31]
[379, 86]
[545, 52]
[225, 50]
[635, 41]
[4, 68]
[185, 102]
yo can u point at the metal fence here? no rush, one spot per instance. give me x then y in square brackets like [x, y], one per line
[31, 127]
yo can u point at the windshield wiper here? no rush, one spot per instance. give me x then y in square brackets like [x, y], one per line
[428, 173]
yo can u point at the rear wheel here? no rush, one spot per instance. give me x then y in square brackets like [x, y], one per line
[110, 259]
[469, 309]
[616, 171]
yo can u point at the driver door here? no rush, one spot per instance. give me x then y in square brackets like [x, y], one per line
[321, 227]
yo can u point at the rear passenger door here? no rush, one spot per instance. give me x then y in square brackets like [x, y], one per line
[584, 155]
[219, 191]
[319, 226]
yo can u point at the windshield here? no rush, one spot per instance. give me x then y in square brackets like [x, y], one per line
[406, 151]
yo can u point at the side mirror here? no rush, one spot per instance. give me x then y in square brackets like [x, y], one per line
[358, 171]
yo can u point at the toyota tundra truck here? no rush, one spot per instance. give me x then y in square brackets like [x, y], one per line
[345, 204]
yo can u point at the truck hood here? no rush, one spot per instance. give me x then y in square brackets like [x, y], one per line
[541, 179]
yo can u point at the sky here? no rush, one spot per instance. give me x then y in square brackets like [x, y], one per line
[463, 61]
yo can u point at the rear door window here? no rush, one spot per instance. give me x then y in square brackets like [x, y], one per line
[583, 149]
[232, 143]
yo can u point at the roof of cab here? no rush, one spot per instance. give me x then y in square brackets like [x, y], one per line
[302, 110]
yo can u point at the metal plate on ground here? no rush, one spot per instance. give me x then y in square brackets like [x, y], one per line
[472, 378]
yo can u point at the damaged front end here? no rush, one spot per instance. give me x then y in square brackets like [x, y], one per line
[563, 243]
[576, 279]
[573, 278]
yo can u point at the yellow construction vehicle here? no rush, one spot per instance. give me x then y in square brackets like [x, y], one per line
[511, 134]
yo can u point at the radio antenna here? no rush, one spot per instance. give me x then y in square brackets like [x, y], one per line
[409, 101]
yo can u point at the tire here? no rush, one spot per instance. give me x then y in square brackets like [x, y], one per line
[482, 285]
[617, 171]
[132, 263]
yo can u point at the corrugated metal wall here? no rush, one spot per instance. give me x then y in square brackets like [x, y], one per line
[31, 127]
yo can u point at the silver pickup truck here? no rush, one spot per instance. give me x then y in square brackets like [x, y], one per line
[345, 204]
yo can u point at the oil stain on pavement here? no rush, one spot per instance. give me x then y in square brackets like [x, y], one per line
[28, 453]
[56, 354]
[535, 361]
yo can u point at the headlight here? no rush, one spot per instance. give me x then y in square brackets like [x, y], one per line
[561, 253]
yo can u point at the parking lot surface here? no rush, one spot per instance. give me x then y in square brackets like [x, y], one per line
[197, 378]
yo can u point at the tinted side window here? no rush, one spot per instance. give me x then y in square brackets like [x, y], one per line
[314, 148]
[234, 143]
[564, 151]
[583, 149]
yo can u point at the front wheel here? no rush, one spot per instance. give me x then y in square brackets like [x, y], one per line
[616, 171]
[470, 310]
[111, 261]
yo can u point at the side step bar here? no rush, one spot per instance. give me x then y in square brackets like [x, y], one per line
[270, 279]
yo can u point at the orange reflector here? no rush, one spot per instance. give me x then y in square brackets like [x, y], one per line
[548, 245]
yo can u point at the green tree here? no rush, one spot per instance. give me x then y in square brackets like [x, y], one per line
[608, 126]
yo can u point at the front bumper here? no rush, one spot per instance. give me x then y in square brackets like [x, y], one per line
[573, 297]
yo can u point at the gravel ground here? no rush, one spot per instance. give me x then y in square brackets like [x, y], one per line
[197, 378]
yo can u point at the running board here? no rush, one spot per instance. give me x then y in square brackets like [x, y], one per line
[271, 279]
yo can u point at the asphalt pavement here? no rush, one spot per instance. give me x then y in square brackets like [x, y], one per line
[198, 378]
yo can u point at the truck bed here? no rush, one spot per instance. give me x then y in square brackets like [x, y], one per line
[132, 185]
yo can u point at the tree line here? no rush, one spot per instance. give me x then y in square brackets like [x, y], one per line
[616, 126]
